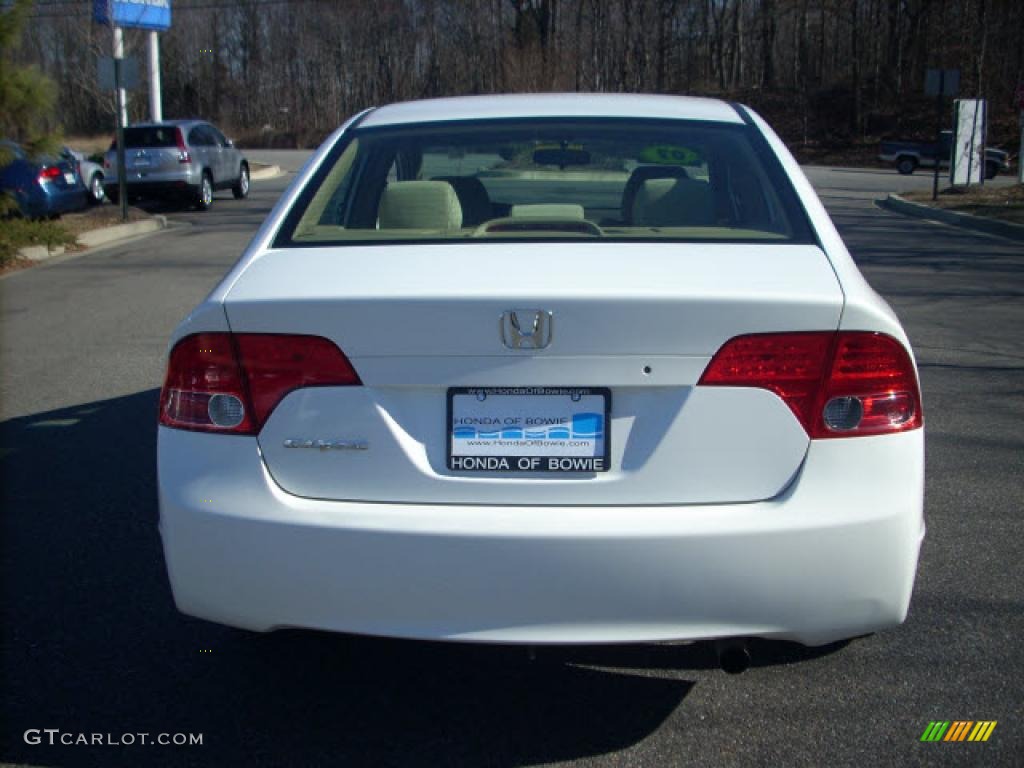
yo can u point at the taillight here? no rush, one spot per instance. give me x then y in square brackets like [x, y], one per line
[837, 384]
[183, 155]
[203, 371]
[871, 375]
[275, 364]
[49, 174]
[222, 382]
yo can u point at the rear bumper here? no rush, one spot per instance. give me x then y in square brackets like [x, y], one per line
[53, 201]
[171, 188]
[832, 557]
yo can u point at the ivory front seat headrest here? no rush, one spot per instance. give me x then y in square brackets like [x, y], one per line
[419, 205]
[674, 203]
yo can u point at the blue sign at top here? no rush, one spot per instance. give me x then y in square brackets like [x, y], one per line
[147, 14]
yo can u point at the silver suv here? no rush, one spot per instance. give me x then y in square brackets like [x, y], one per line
[184, 160]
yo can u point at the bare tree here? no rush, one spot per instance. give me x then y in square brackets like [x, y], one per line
[291, 70]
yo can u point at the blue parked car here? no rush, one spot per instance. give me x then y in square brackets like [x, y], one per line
[42, 186]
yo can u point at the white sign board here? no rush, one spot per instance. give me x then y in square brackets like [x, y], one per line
[969, 127]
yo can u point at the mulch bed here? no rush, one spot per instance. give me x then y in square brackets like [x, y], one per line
[98, 216]
[997, 202]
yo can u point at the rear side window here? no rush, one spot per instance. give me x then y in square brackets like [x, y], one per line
[202, 136]
[216, 137]
[151, 136]
[549, 179]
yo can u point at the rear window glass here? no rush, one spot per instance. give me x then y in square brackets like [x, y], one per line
[548, 179]
[158, 136]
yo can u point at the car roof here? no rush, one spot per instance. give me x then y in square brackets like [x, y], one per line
[162, 123]
[553, 105]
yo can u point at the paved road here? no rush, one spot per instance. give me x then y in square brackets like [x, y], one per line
[91, 642]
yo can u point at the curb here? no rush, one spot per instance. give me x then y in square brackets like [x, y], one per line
[897, 204]
[98, 237]
[106, 235]
[40, 252]
[266, 172]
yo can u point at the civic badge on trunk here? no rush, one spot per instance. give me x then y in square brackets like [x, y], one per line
[526, 328]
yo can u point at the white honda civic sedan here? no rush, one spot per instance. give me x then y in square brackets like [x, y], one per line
[545, 369]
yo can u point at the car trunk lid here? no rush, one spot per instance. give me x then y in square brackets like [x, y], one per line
[641, 320]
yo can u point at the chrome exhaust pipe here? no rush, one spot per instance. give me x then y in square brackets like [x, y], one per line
[733, 656]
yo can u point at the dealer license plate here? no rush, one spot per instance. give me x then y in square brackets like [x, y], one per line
[529, 429]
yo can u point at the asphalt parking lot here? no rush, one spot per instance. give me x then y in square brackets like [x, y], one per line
[91, 642]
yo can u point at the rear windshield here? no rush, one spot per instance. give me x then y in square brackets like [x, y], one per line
[151, 136]
[548, 179]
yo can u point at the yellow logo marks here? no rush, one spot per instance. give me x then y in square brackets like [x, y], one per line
[958, 730]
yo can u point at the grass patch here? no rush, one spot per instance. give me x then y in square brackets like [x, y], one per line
[995, 202]
[17, 233]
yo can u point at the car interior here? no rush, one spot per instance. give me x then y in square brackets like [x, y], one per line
[543, 183]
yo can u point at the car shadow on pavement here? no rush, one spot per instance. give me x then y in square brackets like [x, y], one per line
[92, 644]
[223, 204]
[877, 240]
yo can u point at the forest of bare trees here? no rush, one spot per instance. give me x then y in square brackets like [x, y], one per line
[284, 71]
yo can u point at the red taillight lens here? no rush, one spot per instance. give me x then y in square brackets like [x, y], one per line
[49, 174]
[183, 155]
[837, 384]
[201, 367]
[219, 382]
[788, 364]
[875, 370]
[276, 364]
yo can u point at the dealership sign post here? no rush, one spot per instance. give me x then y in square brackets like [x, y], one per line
[939, 83]
[1018, 101]
[154, 15]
